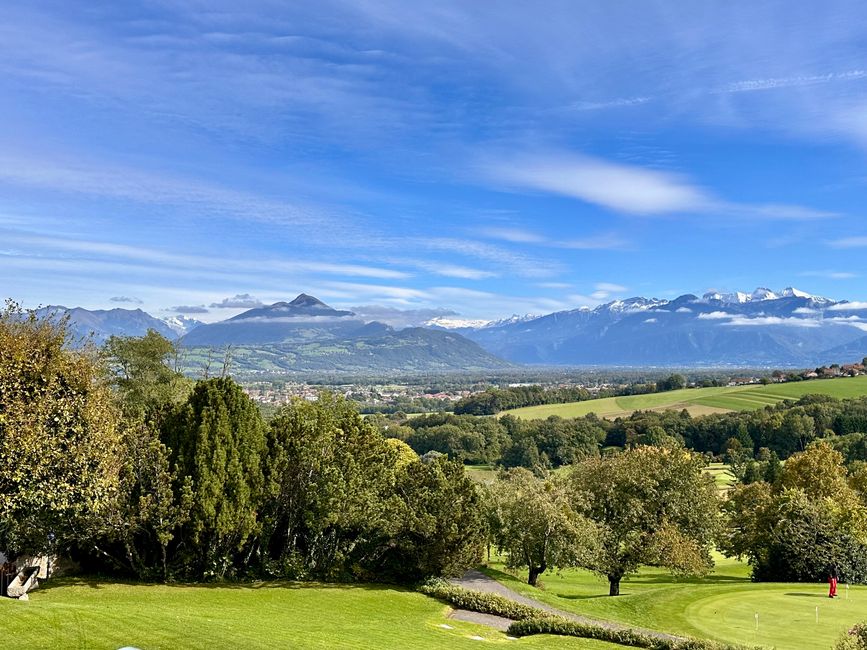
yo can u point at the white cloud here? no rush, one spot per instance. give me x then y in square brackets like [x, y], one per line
[745, 321]
[400, 318]
[622, 188]
[189, 309]
[806, 311]
[514, 235]
[650, 320]
[849, 242]
[455, 270]
[610, 287]
[831, 275]
[629, 189]
[683, 310]
[238, 301]
[849, 306]
[714, 315]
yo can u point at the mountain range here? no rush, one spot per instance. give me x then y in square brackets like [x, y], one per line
[788, 328]
[764, 327]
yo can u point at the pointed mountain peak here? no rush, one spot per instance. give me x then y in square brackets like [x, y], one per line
[791, 292]
[303, 300]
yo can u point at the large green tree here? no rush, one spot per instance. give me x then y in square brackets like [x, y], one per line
[535, 525]
[811, 518]
[652, 505]
[330, 481]
[144, 373]
[59, 437]
[217, 439]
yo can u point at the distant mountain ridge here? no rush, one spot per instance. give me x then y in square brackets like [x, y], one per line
[100, 324]
[787, 328]
[304, 335]
[764, 327]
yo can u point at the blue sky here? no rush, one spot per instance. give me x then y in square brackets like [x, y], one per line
[488, 158]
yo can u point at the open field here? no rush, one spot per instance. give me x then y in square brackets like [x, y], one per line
[701, 401]
[91, 614]
[721, 606]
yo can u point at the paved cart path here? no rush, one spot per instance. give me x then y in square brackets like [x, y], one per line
[478, 581]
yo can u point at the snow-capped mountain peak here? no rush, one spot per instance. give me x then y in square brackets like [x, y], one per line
[759, 295]
[181, 325]
[791, 292]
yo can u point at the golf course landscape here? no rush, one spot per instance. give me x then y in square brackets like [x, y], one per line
[108, 615]
[721, 606]
[701, 401]
[79, 613]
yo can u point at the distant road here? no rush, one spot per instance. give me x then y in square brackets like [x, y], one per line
[701, 401]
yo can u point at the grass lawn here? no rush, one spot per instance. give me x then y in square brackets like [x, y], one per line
[69, 613]
[701, 401]
[721, 606]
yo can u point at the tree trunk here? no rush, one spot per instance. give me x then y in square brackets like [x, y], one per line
[535, 572]
[614, 585]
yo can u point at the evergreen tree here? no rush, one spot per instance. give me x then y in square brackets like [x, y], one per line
[217, 439]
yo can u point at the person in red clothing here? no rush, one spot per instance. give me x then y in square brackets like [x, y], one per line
[832, 583]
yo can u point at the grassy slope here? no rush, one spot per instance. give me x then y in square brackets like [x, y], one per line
[702, 400]
[722, 606]
[91, 614]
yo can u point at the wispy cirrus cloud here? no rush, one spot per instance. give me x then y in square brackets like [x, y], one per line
[857, 241]
[599, 241]
[627, 189]
[622, 188]
[830, 275]
[125, 299]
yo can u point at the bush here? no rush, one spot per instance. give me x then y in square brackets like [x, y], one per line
[854, 639]
[566, 627]
[477, 601]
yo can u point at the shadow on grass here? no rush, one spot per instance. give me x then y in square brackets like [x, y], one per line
[805, 595]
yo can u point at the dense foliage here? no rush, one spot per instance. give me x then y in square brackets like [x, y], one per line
[162, 478]
[767, 435]
[59, 436]
[534, 525]
[652, 505]
[810, 521]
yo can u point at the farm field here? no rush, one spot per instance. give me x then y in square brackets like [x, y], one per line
[721, 606]
[701, 401]
[91, 614]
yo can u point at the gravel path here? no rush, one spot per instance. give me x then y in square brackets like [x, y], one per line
[496, 622]
[478, 581]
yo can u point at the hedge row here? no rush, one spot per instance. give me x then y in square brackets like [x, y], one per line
[622, 636]
[478, 601]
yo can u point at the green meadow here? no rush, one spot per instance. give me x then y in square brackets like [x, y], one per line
[701, 401]
[721, 606]
[69, 613]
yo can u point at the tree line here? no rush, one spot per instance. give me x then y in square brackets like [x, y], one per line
[136, 470]
[738, 438]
